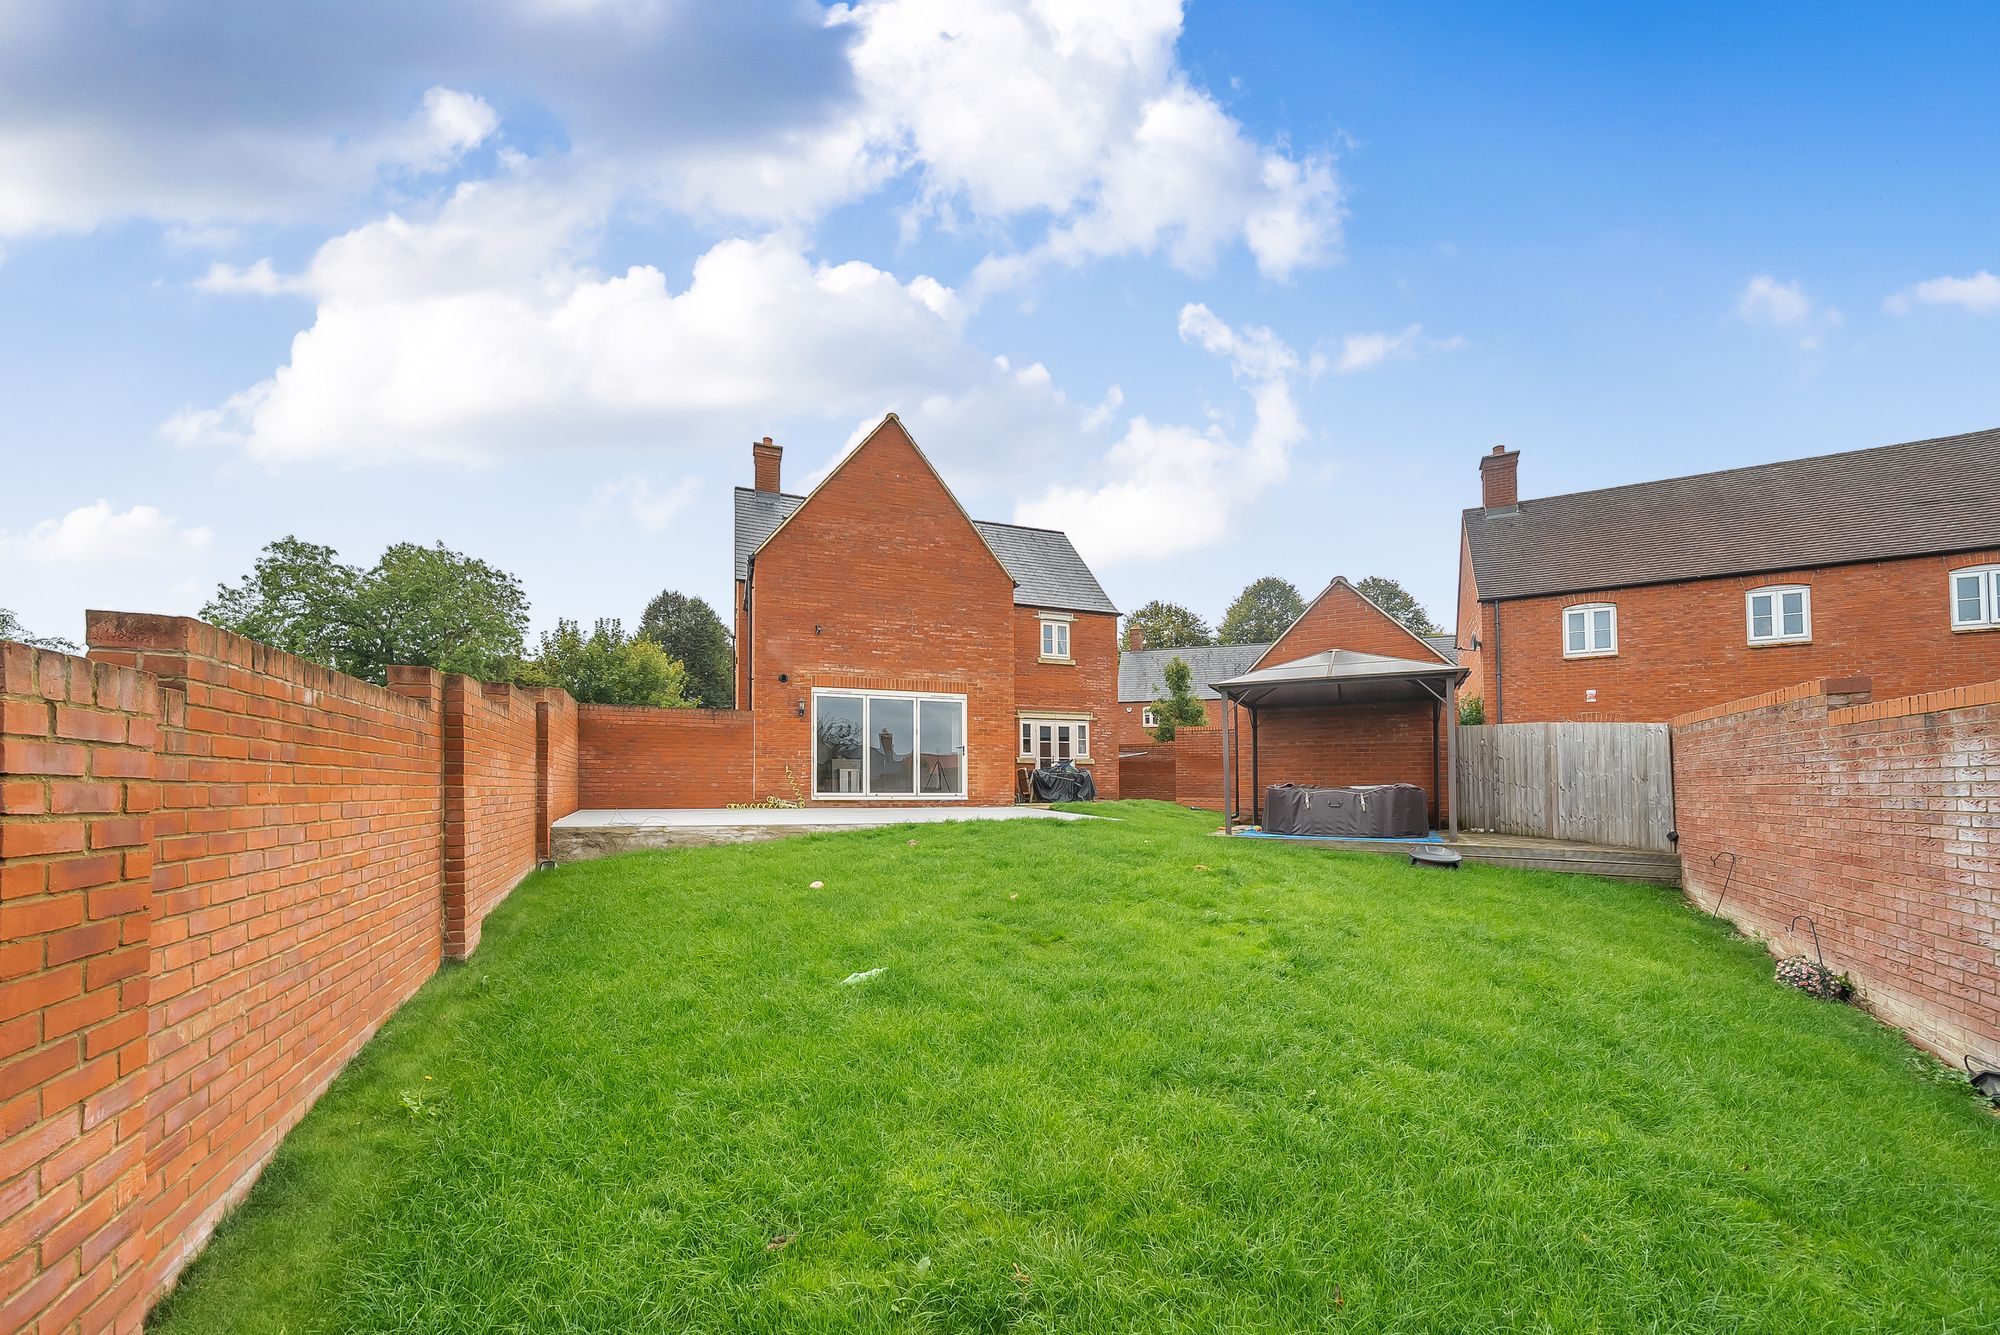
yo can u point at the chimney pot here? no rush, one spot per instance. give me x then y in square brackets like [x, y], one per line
[1135, 638]
[1499, 479]
[765, 460]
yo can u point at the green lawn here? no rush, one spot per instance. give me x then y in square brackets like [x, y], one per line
[1114, 1076]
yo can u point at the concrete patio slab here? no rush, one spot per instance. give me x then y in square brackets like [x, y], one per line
[583, 835]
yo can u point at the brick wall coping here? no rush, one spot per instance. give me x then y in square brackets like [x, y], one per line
[1805, 690]
[679, 714]
[1930, 702]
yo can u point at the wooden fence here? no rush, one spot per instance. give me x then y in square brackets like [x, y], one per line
[1600, 783]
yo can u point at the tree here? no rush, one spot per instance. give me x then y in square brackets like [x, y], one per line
[421, 606]
[1398, 602]
[1262, 612]
[606, 667]
[299, 597]
[12, 629]
[1169, 626]
[1178, 708]
[689, 630]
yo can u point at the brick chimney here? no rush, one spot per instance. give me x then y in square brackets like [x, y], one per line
[1135, 638]
[766, 457]
[1499, 479]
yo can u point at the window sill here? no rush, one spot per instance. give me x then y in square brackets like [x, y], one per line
[1975, 630]
[1065, 662]
[1591, 653]
[1790, 643]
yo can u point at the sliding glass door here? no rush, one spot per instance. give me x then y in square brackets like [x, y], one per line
[892, 744]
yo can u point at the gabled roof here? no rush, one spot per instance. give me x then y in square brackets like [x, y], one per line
[1913, 499]
[1044, 565]
[1142, 673]
[1389, 624]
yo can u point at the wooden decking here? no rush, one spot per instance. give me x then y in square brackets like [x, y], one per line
[1522, 851]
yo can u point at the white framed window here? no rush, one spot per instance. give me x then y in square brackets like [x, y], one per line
[888, 744]
[1147, 719]
[1590, 630]
[1045, 741]
[1975, 598]
[1778, 614]
[1055, 638]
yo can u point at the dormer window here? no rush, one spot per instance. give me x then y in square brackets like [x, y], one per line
[1590, 630]
[1779, 614]
[1975, 598]
[1055, 637]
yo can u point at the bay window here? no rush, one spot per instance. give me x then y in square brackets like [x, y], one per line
[893, 744]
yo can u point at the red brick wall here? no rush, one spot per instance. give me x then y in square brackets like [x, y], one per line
[1683, 646]
[492, 799]
[296, 903]
[77, 801]
[556, 759]
[1147, 771]
[636, 756]
[1874, 819]
[1198, 769]
[1471, 629]
[1088, 684]
[879, 580]
[221, 868]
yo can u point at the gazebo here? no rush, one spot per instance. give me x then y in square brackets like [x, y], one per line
[1319, 687]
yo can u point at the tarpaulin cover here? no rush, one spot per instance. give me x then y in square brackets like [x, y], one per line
[1371, 811]
[1063, 783]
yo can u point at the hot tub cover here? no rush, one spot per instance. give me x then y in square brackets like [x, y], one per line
[1366, 811]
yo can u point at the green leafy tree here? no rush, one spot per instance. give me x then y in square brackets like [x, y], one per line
[12, 629]
[607, 667]
[1398, 602]
[299, 597]
[1178, 708]
[1262, 612]
[1169, 626]
[421, 606]
[689, 630]
[1471, 711]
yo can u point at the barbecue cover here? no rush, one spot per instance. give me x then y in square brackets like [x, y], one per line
[1063, 783]
[1370, 811]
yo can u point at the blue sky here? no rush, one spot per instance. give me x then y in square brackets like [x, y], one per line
[1224, 292]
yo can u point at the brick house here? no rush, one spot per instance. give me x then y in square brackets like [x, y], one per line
[890, 648]
[1642, 602]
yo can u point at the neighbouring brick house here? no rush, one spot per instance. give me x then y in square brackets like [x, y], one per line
[1642, 602]
[891, 648]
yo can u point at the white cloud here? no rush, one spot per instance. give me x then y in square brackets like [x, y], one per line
[1978, 293]
[1171, 488]
[1766, 301]
[478, 332]
[1361, 352]
[649, 508]
[98, 535]
[259, 279]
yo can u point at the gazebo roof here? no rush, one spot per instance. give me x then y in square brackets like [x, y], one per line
[1339, 677]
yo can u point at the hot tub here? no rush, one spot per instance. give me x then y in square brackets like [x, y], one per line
[1366, 811]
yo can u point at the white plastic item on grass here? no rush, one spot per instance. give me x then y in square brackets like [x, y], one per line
[863, 976]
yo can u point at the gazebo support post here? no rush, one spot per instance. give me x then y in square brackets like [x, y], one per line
[1228, 788]
[1256, 787]
[1451, 753]
[1437, 788]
